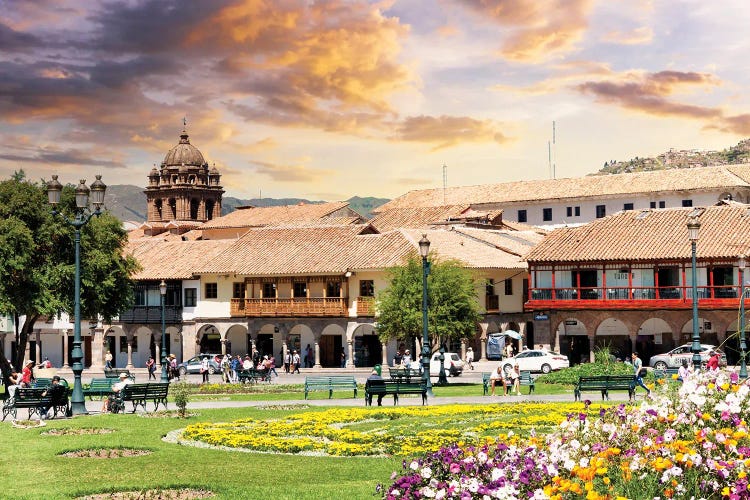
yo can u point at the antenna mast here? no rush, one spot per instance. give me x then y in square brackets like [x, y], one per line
[554, 167]
[445, 180]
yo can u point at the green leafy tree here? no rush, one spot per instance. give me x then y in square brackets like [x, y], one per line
[453, 311]
[37, 261]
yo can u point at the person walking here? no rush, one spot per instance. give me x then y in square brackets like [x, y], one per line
[470, 358]
[151, 367]
[287, 361]
[108, 361]
[295, 362]
[638, 373]
[204, 370]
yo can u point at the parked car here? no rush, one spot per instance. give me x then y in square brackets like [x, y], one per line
[673, 358]
[452, 364]
[193, 365]
[536, 360]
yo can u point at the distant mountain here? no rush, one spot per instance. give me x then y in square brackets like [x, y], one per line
[127, 202]
[681, 159]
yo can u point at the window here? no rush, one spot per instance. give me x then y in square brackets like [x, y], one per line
[300, 289]
[366, 288]
[546, 214]
[508, 287]
[569, 211]
[191, 297]
[212, 291]
[577, 211]
[269, 290]
[140, 296]
[627, 206]
[238, 290]
[662, 204]
[333, 289]
[522, 216]
[652, 204]
[601, 211]
[489, 288]
[687, 203]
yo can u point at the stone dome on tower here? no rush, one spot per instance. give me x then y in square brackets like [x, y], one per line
[184, 152]
[183, 188]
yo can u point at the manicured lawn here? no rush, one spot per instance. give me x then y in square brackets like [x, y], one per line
[33, 468]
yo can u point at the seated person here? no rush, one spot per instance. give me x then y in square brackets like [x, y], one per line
[684, 371]
[375, 380]
[14, 382]
[116, 389]
[55, 392]
[497, 378]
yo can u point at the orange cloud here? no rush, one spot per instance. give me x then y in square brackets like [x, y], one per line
[292, 173]
[637, 36]
[540, 29]
[446, 131]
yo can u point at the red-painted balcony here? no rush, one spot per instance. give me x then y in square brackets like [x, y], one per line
[671, 297]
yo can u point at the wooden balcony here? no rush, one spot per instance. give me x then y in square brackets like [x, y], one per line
[670, 297]
[312, 306]
[152, 314]
[492, 303]
[365, 306]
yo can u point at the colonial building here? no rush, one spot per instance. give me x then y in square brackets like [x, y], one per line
[626, 281]
[573, 201]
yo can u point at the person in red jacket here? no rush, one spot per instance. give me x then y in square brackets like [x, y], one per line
[713, 361]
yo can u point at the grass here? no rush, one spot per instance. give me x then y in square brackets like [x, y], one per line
[31, 467]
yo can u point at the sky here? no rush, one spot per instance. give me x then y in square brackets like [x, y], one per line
[331, 99]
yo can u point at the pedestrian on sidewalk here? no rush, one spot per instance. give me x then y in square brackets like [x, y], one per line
[151, 367]
[470, 358]
[639, 372]
[295, 362]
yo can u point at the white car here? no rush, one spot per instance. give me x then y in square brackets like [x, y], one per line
[536, 360]
[673, 358]
[452, 364]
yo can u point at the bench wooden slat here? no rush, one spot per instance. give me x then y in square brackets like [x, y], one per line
[320, 383]
[604, 383]
[394, 387]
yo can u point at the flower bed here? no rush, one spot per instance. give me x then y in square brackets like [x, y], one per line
[689, 441]
[382, 431]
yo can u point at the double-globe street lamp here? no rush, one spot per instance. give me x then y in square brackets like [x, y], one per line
[743, 345]
[694, 226]
[424, 249]
[82, 216]
[162, 295]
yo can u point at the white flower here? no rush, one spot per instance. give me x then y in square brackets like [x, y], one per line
[426, 473]
[414, 465]
[427, 492]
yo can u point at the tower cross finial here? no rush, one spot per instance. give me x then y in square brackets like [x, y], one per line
[184, 121]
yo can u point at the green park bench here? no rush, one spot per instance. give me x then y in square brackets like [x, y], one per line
[329, 383]
[31, 398]
[140, 394]
[99, 387]
[526, 379]
[394, 387]
[604, 383]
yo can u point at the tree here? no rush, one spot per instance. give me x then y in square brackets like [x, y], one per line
[453, 311]
[37, 261]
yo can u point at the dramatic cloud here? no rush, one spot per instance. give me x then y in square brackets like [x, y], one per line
[647, 93]
[292, 173]
[539, 29]
[446, 131]
[24, 154]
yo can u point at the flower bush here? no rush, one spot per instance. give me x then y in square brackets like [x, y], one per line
[403, 431]
[687, 441]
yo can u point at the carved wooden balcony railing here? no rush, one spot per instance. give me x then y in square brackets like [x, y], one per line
[312, 306]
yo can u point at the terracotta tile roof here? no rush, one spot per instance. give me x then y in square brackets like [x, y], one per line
[173, 258]
[479, 248]
[263, 216]
[580, 187]
[286, 251]
[416, 216]
[325, 221]
[650, 235]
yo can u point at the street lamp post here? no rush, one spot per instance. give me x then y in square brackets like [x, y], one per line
[694, 226]
[424, 249]
[82, 216]
[743, 344]
[162, 294]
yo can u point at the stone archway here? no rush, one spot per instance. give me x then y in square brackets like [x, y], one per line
[208, 339]
[235, 339]
[366, 346]
[332, 344]
[613, 335]
[573, 338]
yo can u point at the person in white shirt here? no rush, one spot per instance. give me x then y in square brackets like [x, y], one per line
[470, 358]
[204, 370]
[684, 371]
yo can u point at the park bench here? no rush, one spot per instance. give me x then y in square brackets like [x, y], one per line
[526, 379]
[32, 399]
[667, 373]
[605, 383]
[404, 374]
[395, 387]
[253, 376]
[115, 373]
[99, 387]
[330, 383]
[140, 394]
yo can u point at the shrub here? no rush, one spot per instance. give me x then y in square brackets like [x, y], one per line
[570, 375]
[181, 393]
